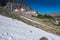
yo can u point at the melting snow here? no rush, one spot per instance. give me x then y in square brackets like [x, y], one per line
[12, 29]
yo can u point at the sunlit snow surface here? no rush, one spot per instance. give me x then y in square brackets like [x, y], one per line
[12, 29]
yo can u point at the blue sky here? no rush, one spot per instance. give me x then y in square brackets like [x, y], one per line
[43, 6]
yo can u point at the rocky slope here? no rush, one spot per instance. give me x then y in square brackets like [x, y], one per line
[16, 5]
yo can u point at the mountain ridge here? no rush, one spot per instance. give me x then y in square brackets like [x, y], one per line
[54, 14]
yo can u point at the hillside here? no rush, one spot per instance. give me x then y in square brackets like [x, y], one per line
[27, 18]
[19, 22]
[12, 29]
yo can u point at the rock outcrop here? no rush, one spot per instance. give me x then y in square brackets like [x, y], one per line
[3, 2]
[16, 5]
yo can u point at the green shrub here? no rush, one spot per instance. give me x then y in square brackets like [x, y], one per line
[43, 16]
[1, 10]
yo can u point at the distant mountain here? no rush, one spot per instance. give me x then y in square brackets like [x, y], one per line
[54, 14]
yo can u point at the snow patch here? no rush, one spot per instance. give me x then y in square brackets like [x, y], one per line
[12, 29]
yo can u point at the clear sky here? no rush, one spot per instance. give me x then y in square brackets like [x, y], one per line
[43, 6]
